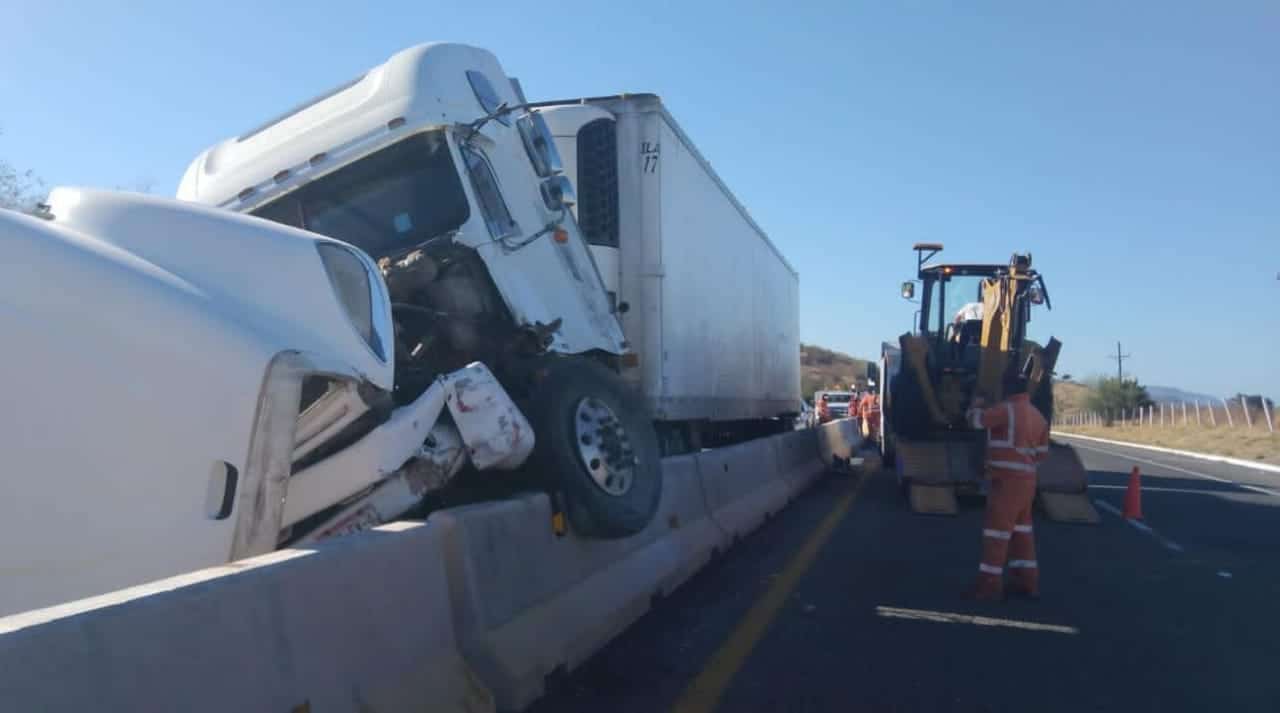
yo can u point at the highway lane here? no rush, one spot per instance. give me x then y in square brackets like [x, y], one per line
[875, 621]
[1258, 479]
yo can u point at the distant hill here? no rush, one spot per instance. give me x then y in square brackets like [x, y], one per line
[1169, 394]
[1069, 396]
[822, 368]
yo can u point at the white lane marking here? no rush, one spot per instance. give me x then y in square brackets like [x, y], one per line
[1109, 508]
[1147, 489]
[1140, 526]
[1206, 476]
[952, 618]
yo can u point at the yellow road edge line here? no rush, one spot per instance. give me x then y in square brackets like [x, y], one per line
[703, 694]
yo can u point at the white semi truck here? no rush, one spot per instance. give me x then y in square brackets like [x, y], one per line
[420, 300]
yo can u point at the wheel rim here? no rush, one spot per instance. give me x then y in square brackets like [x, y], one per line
[604, 448]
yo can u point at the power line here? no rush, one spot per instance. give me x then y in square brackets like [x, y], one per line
[1119, 357]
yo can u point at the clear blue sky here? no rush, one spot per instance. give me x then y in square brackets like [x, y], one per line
[1133, 147]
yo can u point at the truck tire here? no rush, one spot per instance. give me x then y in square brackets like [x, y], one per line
[595, 445]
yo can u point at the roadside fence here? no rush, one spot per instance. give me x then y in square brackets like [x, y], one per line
[1223, 413]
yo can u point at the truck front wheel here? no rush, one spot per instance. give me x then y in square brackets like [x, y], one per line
[596, 446]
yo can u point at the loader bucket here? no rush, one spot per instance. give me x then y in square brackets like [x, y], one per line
[931, 470]
[1062, 472]
[940, 462]
[932, 499]
[1062, 487]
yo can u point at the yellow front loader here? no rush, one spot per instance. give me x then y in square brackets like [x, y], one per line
[971, 332]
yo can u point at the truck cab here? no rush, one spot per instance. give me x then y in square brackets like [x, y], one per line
[429, 151]
[434, 166]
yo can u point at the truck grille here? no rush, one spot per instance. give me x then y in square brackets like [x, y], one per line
[598, 182]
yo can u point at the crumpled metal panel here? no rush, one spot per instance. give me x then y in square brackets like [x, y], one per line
[496, 433]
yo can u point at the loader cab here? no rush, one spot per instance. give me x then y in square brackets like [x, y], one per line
[954, 299]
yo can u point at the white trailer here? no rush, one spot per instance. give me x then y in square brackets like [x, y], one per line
[709, 304]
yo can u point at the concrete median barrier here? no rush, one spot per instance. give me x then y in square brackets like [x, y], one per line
[470, 611]
[361, 623]
[742, 484]
[798, 461]
[523, 612]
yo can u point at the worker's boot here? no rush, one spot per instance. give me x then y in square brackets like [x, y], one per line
[986, 589]
[1023, 585]
[1017, 591]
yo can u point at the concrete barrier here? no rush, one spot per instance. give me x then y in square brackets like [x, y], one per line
[798, 461]
[523, 612]
[838, 441]
[360, 623]
[742, 484]
[470, 611]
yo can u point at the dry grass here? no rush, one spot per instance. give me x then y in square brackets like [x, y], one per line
[1255, 444]
[1069, 396]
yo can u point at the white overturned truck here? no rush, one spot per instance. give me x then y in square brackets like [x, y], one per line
[187, 386]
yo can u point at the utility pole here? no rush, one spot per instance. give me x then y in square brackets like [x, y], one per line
[1119, 357]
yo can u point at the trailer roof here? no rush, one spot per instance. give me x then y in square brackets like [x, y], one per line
[649, 102]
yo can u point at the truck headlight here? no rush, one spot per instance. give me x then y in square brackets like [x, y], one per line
[360, 293]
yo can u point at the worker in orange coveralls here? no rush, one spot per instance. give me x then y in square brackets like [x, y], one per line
[869, 410]
[1017, 440]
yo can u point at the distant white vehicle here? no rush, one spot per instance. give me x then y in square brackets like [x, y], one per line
[832, 405]
[807, 417]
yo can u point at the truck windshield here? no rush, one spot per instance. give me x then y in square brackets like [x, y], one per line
[386, 202]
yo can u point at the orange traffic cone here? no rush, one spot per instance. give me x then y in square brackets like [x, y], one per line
[1133, 496]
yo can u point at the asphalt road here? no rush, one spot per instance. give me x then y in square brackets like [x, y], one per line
[847, 602]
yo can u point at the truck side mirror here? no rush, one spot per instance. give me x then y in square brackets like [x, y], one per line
[557, 193]
[539, 145]
[908, 290]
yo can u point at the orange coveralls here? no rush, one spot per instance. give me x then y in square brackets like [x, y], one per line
[1017, 440]
[869, 411]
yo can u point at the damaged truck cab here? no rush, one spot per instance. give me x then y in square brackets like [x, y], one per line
[431, 165]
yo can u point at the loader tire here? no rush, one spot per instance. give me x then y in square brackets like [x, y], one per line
[887, 451]
[595, 446]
